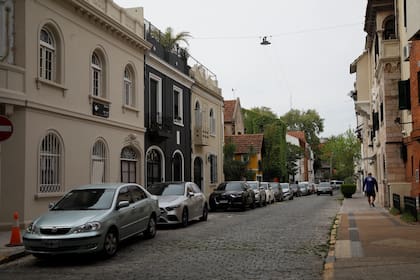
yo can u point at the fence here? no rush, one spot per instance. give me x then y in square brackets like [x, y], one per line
[410, 205]
[396, 201]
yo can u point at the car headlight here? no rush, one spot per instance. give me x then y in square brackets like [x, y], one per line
[92, 226]
[235, 195]
[170, 208]
[31, 228]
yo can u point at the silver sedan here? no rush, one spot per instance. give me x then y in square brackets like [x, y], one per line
[93, 218]
[179, 202]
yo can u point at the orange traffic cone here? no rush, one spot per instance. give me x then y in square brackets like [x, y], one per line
[15, 239]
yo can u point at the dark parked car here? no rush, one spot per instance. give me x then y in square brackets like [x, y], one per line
[236, 194]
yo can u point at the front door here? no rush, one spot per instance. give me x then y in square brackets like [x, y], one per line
[198, 172]
[154, 167]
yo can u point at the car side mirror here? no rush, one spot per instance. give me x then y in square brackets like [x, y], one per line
[123, 204]
[190, 194]
[51, 205]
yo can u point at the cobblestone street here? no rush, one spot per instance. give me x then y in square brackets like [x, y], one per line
[286, 240]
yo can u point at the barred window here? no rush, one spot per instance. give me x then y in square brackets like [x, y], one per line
[99, 157]
[50, 164]
[47, 53]
[213, 169]
[212, 122]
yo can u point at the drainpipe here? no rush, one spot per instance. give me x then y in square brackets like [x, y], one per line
[8, 33]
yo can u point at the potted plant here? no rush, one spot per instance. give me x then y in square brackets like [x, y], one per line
[348, 190]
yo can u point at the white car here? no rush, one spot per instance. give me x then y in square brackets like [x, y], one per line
[269, 192]
[287, 191]
[260, 193]
[179, 202]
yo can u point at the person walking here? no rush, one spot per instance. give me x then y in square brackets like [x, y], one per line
[369, 186]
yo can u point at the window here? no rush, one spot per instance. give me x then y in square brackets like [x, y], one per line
[197, 112]
[154, 161]
[128, 87]
[137, 194]
[129, 161]
[178, 105]
[97, 75]
[389, 28]
[177, 167]
[213, 169]
[212, 121]
[99, 157]
[47, 55]
[155, 97]
[50, 156]
[404, 101]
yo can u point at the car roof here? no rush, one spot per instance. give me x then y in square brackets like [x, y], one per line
[112, 186]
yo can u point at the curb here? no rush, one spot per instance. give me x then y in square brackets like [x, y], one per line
[330, 259]
[13, 256]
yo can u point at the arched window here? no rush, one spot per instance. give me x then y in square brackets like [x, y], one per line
[197, 112]
[177, 167]
[129, 161]
[212, 121]
[99, 158]
[154, 163]
[50, 157]
[128, 86]
[47, 55]
[97, 75]
[389, 28]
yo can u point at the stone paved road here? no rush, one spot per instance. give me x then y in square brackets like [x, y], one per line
[286, 240]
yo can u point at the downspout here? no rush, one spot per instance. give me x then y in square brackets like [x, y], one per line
[3, 58]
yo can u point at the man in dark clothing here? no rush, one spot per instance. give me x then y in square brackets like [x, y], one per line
[369, 185]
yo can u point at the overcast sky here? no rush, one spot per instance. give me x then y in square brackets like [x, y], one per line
[305, 67]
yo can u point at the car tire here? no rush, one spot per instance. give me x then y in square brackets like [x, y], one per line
[110, 243]
[261, 202]
[331, 193]
[213, 206]
[184, 217]
[205, 213]
[150, 231]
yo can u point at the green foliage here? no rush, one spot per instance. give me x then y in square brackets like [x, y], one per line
[263, 120]
[348, 190]
[169, 40]
[408, 217]
[394, 211]
[293, 153]
[342, 151]
[233, 169]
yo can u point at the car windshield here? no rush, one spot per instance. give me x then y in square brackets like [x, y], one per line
[321, 185]
[87, 199]
[231, 186]
[253, 186]
[284, 186]
[167, 189]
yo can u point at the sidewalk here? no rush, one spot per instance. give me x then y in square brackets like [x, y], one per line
[372, 244]
[9, 253]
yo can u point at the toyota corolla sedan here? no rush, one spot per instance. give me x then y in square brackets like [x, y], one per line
[93, 218]
[179, 202]
[232, 194]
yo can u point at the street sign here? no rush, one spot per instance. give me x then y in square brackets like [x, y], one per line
[6, 128]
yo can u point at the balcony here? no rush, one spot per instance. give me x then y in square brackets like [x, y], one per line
[160, 128]
[201, 136]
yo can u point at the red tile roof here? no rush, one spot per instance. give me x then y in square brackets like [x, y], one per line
[245, 141]
[229, 110]
[298, 134]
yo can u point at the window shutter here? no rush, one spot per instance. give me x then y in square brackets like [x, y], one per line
[404, 95]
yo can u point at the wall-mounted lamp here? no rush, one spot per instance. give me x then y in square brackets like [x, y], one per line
[265, 41]
[398, 121]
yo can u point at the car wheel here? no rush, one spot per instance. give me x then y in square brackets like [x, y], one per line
[205, 213]
[260, 202]
[213, 206]
[317, 193]
[253, 204]
[184, 220]
[110, 243]
[150, 231]
[331, 193]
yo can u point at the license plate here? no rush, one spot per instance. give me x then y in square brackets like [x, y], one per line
[223, 201]
[51, 243]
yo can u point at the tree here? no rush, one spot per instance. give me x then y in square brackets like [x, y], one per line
[311, 124]
[294, 153]
[169, 40]
[233, 169]
[263, 120]
[342, 152]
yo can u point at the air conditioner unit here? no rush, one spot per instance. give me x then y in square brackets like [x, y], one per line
[406, 52]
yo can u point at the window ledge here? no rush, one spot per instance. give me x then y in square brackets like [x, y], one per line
[41, 81]
[130, 108]
[100, 99]
[178, 123]
[48, 195]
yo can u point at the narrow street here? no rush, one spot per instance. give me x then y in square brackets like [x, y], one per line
[286, 240]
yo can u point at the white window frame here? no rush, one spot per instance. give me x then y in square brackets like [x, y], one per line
[213, 168]
[50, 164]
[99, 162]
[131, 159]
[159, 97]
[198, 115]
[180, 118]
[128, 90]
[212, 121]
[47, 55]
[182, 165]
[97, 75]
